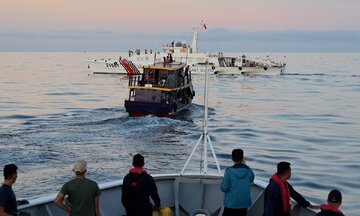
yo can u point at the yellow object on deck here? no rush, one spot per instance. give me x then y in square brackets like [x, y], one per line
[162, 212]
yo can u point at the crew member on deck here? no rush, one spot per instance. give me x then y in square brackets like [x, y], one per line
[8, 205]
[279, 191]
[333, 203]
[236, 185]
[136, 189]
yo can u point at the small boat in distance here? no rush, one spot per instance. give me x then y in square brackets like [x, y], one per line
[163, 89]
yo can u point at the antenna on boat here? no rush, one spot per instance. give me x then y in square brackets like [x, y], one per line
[204, 137]
[195, 36]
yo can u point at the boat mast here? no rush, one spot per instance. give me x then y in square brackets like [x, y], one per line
[195, 37]
[194, 40]
[204, 137]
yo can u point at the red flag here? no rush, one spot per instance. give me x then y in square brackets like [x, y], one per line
[204, 25]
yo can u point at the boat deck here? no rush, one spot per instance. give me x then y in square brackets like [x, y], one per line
[185, 195]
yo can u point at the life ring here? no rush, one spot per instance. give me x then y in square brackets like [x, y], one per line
[240, 68]
[213, 67]
[265, 68]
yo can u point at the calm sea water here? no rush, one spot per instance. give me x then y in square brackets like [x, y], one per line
[52, 112]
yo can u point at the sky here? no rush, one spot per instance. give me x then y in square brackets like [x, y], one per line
[233, 25]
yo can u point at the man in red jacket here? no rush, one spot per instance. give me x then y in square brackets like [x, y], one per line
[279, 191]
[136, 189]
[332, 206]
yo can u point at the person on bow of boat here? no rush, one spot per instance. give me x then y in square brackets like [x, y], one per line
[8, 205]
[236, 185]
[333, 204]
[83, 194]
[137, 186]
[279, 191]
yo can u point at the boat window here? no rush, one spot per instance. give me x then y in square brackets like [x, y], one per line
[147, 95]
[222, 62]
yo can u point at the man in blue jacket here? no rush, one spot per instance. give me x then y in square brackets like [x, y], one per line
[236, 185]
[279, 191]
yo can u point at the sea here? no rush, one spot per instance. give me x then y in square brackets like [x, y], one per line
[54, 111]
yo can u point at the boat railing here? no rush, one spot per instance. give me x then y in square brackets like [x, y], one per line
[134, 80]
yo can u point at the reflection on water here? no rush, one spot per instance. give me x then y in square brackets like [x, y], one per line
[52, 112]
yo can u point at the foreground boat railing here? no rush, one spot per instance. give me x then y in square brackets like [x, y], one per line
[204, 137]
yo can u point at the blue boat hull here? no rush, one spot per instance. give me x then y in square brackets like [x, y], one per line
[135, 108]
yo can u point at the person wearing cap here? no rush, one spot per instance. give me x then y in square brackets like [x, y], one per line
[8, 205]
[137, 187]
[333, 203]
[236, 185]
[83, 194]
[278, 193]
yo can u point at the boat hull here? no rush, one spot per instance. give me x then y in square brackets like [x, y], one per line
[136, 109]
[250, 70]
[184, 194]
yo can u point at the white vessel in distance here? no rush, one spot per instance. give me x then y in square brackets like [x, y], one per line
[183, 52]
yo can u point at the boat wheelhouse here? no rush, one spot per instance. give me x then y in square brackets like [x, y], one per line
[163, 89]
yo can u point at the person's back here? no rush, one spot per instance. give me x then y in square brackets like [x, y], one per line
[81, 194]
[273, 200]
[333, 204]
[137, 187]
[236, 185]
[329, 213]
[237, 189]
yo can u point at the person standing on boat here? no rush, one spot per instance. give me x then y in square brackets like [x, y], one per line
[333, 203]
[8, 205]
[236, 185]
[137, 186]
[279, 191]
[83, 194]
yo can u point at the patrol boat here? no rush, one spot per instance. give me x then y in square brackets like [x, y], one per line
[187, 194]
[249, 66]
[163, 89]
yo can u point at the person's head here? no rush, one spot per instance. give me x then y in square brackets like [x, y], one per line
[138, 160]
[10, 173]
[335, 198]
[284, 170]
[237, 155]
[79, 167]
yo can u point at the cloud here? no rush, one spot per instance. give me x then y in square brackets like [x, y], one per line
[217, 39]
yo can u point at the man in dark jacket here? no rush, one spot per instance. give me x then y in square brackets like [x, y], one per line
[8, 205]
[332, 208]
[136, 189]
[279, 191]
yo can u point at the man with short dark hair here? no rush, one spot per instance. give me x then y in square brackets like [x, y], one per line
[279, 191]
[8, 206]
[333, 204]
[236, 185]
[137, 186]
[83, 193]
